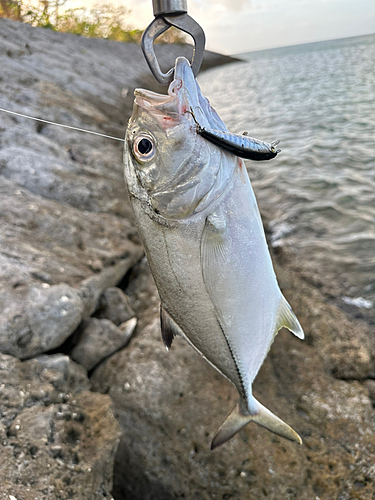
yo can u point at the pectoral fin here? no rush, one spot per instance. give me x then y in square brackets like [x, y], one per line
[215, 256]
[169, 329]
[237, 419]
[287, 318]
[214, 246]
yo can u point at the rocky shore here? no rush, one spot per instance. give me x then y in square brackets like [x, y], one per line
[91, 404]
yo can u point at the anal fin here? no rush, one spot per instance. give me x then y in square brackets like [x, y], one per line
[287, 318]
[169, 329]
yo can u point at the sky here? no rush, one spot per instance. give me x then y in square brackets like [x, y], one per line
[236, 26]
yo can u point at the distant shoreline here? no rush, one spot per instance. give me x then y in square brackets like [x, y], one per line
[328, 40]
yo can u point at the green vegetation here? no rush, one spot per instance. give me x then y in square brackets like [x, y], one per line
[104, 20]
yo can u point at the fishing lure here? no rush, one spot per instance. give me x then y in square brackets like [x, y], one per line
[237, 144]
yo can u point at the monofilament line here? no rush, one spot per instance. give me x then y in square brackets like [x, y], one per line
[61, 125]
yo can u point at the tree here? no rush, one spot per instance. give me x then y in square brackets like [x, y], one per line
[11, 9]
[104, 20]
[56, 4]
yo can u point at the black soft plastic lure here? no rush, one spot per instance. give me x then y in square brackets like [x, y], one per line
[239, 145]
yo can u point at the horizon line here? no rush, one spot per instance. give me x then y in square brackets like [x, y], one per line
[237, 54]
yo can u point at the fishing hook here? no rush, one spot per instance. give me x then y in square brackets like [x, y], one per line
[171, 13]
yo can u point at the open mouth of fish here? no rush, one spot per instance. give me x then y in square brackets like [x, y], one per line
[181, 98]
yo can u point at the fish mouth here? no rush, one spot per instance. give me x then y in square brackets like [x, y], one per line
[162, 108]
[181, 96]
[146, 98]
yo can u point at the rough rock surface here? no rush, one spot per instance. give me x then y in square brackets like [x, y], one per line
[63, 373]
[99, 338]
[114, 305]
[36, 319]
[55, 443]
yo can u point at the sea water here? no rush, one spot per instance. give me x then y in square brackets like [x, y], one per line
[319, 193]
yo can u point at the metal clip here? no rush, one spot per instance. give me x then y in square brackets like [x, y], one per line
[172, 13]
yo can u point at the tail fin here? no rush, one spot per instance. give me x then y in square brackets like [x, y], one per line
[237, 419]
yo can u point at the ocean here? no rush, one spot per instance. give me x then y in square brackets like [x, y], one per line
[318, 195]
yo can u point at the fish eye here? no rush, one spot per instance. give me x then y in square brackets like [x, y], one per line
[143, 147]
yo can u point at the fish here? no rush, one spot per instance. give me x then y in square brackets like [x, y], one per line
[203, 236]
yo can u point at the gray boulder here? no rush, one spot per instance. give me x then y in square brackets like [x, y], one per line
[99, 338]
[114, 305]
[63, 373]
[41, 318]
[47, 317]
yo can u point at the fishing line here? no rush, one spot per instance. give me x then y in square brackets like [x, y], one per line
[61, 125]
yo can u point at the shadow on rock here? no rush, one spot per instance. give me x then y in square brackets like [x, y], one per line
[130, 482]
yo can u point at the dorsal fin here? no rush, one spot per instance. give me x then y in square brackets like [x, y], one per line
[169, 329]
[287, 318]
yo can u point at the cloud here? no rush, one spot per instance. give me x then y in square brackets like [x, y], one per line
[241, 25]
[231, 5]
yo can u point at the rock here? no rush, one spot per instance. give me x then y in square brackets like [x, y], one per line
[55, 312]
[64, 373]
[62, 193]
[42, 318]
[92, 288]
[99, 338]
[128, 328]
[351, 360]
[142, 292]
[114, 305]
[28, 306]
[370, 386]
[53, 444]
[48, 317]
[347, 346]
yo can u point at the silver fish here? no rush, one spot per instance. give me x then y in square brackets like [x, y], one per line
[203, 236]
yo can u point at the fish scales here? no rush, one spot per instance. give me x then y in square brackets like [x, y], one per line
[203, 236]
